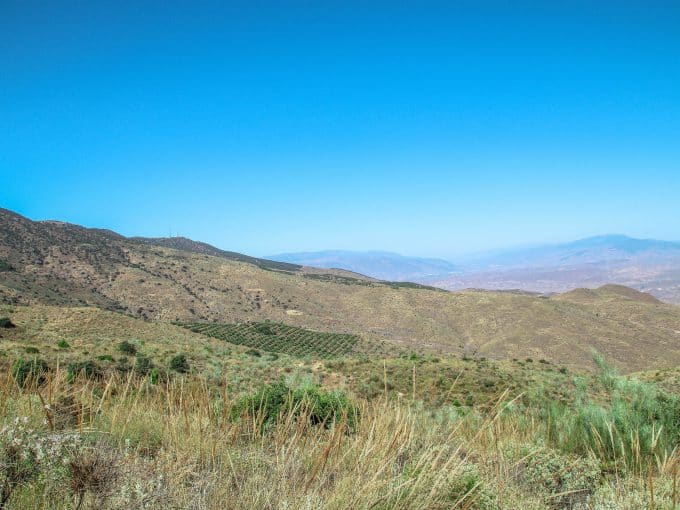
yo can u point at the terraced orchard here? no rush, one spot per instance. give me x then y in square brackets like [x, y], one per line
[275, 337]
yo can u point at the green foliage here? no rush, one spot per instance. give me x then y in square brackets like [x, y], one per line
[568, 480]
[264, 329]
[318, 406]
[179, 364]
[27, 372]
[63, 344]
[88, 369]
[274, 337]
[105, 357]
[411, 285]
[154, 375]
[6, 323]
[468, 487]
[31, 350]
[143, 365]
[253, 352]
[324, 407]
[5, 266]
[633, 423]
[127, 348]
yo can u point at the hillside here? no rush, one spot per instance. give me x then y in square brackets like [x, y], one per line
[61, 264]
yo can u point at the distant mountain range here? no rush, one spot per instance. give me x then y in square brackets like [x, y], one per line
[377, 264]
[649, 265]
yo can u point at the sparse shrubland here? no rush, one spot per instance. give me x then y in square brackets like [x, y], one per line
[175, 419]
[125, 440]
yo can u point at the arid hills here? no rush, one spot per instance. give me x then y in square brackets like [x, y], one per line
[176, 279]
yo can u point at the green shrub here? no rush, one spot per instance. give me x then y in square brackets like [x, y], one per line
[6, 323]
[179, 364]
[324, 407]
[154, 375]
[630, 424]
[105, 357]
[266, 403]
[127, 348]
[31, 350]
[63, 344]
[88, 369]
[27, 372]
[253, 352]
[143, 365]
[467, 487]
[318, 406]
[566, 481]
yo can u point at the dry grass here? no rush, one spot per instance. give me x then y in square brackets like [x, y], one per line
[174, 446]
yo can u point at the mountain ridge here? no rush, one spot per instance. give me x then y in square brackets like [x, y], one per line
[648, 265]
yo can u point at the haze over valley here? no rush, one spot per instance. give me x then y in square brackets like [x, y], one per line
[647, 265]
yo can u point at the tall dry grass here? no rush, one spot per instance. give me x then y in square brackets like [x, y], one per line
[126, 443]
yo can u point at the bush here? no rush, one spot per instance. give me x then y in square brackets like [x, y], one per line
[88, 369]
[266, 403]
[629, 427]
[127, 348]
[63, 344]
[324, 407]
[27, 372]
[318, 406]
[143, 365]
[179, 364]
[468, 487]
[105, 357]
[154, 375]
[31, 350]
[253, 352]
[568, 481]
[6, 323]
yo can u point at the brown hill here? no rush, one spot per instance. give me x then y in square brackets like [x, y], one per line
[611, 292]
[67, 265]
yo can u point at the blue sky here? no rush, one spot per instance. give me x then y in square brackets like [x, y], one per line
[426, 128]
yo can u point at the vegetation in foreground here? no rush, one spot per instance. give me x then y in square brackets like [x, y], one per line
[99, 410]
[81, 439]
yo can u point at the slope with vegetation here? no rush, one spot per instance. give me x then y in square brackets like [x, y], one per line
[407, 432]
[67, 265]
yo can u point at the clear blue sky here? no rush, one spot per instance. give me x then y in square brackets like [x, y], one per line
[429, 128]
